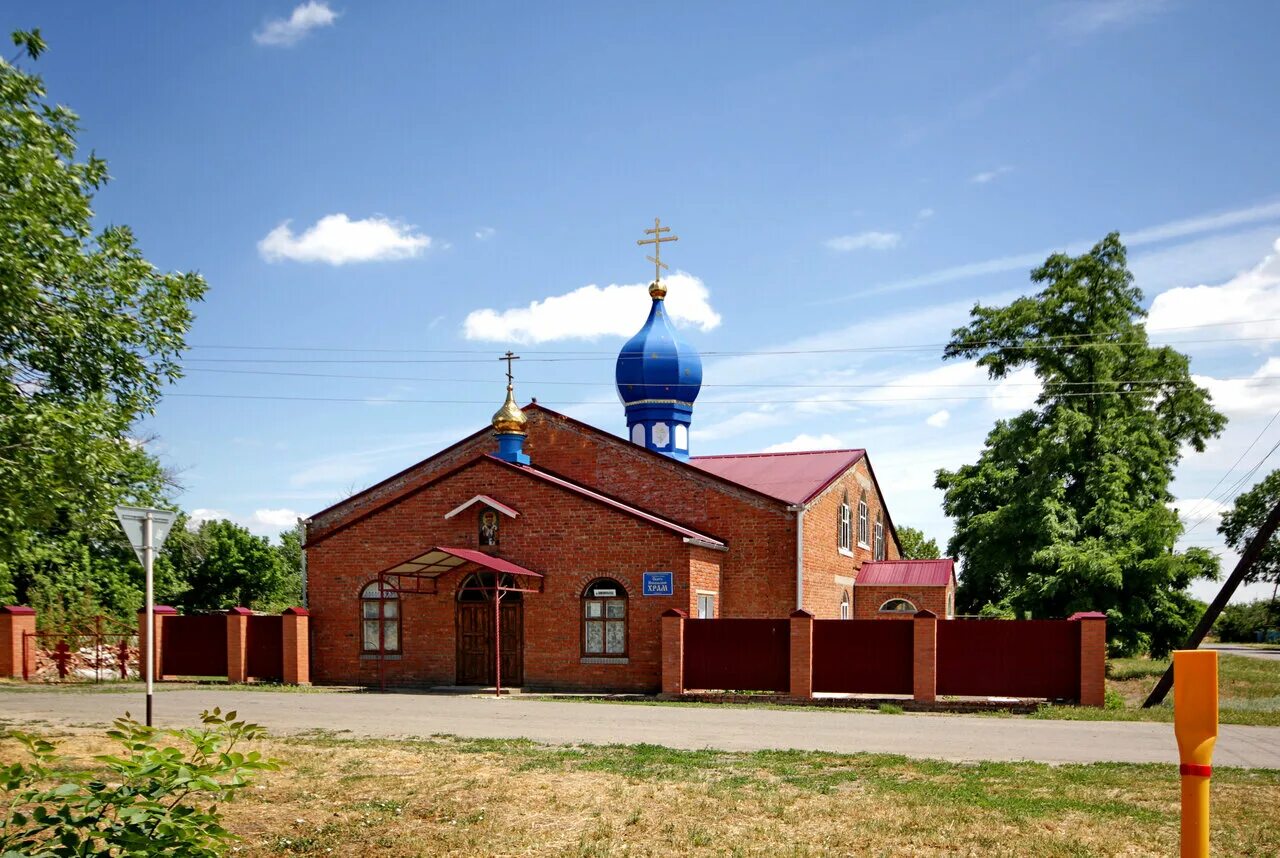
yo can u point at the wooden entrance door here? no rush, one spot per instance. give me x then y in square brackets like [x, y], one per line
[476, 650]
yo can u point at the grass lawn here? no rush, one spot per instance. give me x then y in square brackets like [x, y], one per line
[1248, 688]
[447, 796]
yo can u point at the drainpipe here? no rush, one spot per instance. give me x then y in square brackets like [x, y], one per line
[798, 509]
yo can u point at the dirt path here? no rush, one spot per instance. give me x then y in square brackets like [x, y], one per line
[947, 737]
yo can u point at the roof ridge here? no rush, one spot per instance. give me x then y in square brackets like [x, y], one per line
[779, 453]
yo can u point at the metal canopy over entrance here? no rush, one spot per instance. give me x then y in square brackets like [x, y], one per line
[420, 574]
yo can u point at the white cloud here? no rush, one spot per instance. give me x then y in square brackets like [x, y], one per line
[283, 32]
[198, 517]
[589, 312]
[485, 233]
[1192, 510]
[872, 240]
[1025, 261]
[1259, 394]
[801, 442]
[925, 214]
[989, 175]
[1091, 16]
[1251, 300]
[336, 239]
[938, 419]
[1016, 392]
[273, 520]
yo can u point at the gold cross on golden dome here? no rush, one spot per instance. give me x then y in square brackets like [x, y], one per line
[656, 241]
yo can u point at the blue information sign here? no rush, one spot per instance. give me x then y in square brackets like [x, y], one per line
[658, 584]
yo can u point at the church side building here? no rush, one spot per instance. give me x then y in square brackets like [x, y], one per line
[552, 547]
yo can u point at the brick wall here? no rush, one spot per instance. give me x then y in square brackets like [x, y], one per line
[823, 560]
[868, 599]
[570, 539]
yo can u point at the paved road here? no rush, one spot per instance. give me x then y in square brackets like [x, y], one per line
[1251, 652]
[948, 737]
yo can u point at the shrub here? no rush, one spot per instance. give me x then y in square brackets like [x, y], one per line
[1240, 623]
[150, 800]
[1113, 699]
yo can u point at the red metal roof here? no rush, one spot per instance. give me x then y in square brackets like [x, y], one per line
[445, 558]
[907, 573]
[791, 477]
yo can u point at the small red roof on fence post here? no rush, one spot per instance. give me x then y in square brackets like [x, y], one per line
[800, 613]
[925, 614]
[675, 612]
[1087, 615]
[297, 611]
[21, 610]
[239, 610]
[159, 609]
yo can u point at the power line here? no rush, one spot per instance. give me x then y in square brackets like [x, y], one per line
[1208, 496]
[1236, 488]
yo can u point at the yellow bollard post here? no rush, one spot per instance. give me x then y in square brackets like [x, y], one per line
[1195, 723]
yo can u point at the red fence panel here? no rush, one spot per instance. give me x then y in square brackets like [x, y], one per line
[194, 645]
[863, 656]
[1009, 658]
[264, 648]
[737, 655]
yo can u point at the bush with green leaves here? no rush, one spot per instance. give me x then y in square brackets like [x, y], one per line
[159, 796]
[1240, 623]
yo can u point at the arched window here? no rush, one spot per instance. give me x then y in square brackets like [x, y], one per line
[898, 606]
[864, 535]
[844, 605]
[844, 528]
[373, 620]
[604, 618]
[879, 550]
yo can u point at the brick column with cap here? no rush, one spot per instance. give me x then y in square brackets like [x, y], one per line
[801, 654]
[161, 611]
[297, 650]
[1093, 657]
[238, 644]
[924, 660]
[16, 621]
[673, 620]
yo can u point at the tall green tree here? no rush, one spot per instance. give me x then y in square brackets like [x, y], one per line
[915, 546]
[223, 565]
[90, 332]
[1067, 508]
[1241, 523]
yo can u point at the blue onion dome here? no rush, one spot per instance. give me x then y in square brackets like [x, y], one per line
[656, 367]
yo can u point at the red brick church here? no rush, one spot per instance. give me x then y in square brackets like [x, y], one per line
[551, 547]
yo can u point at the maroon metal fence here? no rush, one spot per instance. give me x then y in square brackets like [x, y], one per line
[193, 645]
[737, 655]
[863, 656]
[264, 647]
[1009, 658]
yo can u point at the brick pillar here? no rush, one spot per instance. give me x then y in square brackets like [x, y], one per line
[1093, 657]
[237, 644]
[161, 611]
[16, 621]
[297, 646]
[924, 661]
[801, 654]
[673, 621]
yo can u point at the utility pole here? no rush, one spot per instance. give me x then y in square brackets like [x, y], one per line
[1251, 553]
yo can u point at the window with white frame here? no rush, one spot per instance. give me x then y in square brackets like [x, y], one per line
[879, 551]
[898, 606]
[604, 618]
[706, 606]
[379, 620]
[844, 605]
[864, 534]
[844, 528]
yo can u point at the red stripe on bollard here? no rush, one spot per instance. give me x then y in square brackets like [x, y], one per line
[1195, 770]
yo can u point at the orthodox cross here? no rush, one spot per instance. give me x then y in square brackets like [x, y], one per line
[509, 357]
[656, 241]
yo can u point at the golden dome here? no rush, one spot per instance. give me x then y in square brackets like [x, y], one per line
[509, 419]
[657, 290]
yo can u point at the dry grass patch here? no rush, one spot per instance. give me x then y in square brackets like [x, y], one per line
[447, 796]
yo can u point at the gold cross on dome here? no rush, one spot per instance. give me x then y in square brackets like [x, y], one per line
[509, 357]
[656, 241]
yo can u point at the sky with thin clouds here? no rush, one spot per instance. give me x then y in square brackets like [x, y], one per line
[384, 197]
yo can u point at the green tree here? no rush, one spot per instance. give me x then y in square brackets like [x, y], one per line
[915, 546]
[90, 332]
[224, 565]
[289, 553]
[1067, 508]
[1241, 523]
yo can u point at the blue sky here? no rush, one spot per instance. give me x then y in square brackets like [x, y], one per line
[444, 181]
